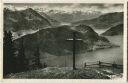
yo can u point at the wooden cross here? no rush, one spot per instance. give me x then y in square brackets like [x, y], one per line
[74, 47]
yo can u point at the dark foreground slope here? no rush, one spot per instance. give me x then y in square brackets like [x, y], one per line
[68, 73]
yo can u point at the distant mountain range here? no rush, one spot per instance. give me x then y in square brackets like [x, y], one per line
[66, 17]
[116, 30]
[104, 21]
[31, 19]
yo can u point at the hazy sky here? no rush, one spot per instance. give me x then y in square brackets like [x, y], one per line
[104, 8]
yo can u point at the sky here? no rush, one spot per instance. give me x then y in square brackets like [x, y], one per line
[69, 7]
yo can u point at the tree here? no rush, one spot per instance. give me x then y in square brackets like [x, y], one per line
[8, 54]
[37, 62]
[22, 62]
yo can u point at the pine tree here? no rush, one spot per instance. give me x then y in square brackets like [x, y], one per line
[8, 54]
[37, 62]
[22, 61]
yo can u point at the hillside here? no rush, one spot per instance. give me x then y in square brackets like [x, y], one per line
[68, 73]
[53, 41]
[103, 21]
[24, 20]
[116, 30]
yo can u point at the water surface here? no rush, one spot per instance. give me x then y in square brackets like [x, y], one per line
[106, 55]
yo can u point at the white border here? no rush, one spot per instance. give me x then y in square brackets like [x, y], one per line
[123, 80]
[125, 41]
[1, 40]
[63, 1]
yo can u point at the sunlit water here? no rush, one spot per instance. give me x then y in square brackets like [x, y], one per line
[100, 31]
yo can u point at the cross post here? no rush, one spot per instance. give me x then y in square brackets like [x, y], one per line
[74, 48]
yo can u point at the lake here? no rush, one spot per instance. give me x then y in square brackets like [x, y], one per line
[106, 55]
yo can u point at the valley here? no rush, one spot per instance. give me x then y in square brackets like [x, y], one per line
[40, 38]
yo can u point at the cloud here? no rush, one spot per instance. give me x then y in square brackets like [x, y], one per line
[104, 8]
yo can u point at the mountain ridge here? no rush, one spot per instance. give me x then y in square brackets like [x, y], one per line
[29, 19]
[115, 30]
[64, 16]
[103, 21]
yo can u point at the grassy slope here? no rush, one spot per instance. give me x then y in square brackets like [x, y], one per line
[68, 73]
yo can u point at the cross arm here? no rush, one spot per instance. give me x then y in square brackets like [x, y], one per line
[72, 39]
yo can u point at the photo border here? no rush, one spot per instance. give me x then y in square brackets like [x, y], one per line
[123, 80]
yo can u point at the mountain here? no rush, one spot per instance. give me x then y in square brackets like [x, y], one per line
[24, 20]
[67, 17]
[104, 21]
[116, 30]
[51, 19]
[53, 41]
[88, 32]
